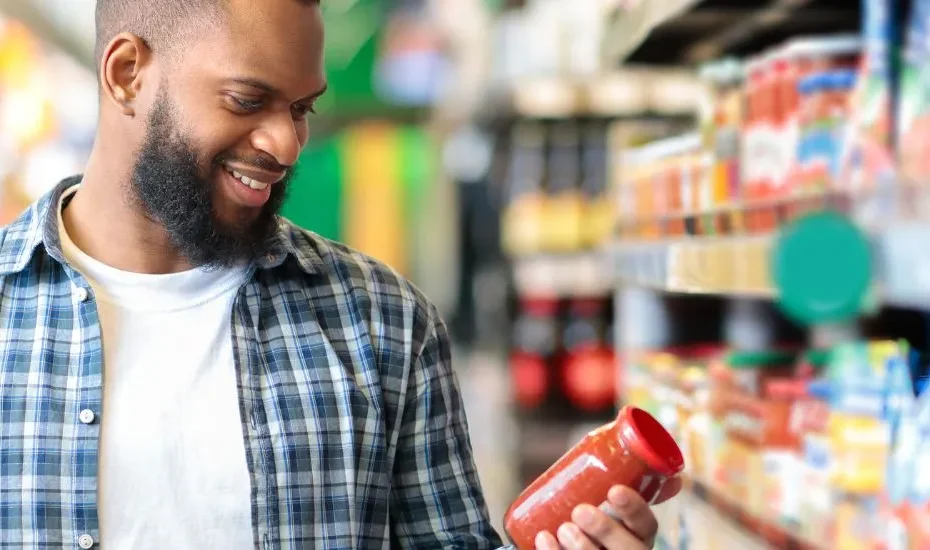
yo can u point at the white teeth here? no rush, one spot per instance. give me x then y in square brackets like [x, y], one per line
[257, 185]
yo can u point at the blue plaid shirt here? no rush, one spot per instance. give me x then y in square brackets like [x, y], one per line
[353, 425]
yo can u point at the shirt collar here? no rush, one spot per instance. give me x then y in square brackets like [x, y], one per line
[38, 225]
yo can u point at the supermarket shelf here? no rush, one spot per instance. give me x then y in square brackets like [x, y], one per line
[709, 29]
[689, 523]
[564, 276]
[631, 22]
[739, 266]
[736, 266]
[712, 521]
[627, 93]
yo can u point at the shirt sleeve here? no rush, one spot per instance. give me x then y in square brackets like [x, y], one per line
[437, 498]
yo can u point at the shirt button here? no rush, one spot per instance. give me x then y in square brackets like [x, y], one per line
[80, 294]
[86, 542]
[87, 416]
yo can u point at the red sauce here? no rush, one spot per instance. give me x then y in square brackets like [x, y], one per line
[634, 450]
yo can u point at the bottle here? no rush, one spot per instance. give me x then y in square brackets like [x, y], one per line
[634, 450]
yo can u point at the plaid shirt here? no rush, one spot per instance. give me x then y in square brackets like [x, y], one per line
[353, 425]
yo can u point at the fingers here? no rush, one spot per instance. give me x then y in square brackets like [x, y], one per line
[635, 513]
[546, 541]
[628, 523]
[671, 488]
[592, 528]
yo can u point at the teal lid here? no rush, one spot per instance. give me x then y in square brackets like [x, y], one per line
[761, 358]
[822, 269]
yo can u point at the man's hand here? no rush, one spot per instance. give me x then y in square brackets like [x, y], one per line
[633, 528]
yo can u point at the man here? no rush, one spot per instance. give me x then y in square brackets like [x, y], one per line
[179, 368]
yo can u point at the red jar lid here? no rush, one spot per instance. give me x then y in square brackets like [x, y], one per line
[650, 441]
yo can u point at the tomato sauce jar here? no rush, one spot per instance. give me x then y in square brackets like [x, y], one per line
[634, 451]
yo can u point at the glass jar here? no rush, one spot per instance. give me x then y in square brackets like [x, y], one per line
[634, 451]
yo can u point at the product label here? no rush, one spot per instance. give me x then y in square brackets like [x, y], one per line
[746, 425]
[782, 483]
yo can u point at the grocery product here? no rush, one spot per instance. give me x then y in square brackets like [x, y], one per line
[661, 187]
[750, 370]
[695, 419]
[588, 367]
[534, 340]
[525, 199]
[564, 202]
[810, 55]
[860, 435]
[745, 425]
[824, 109]
[905, 442]
[781, 458]
[634, 450]
[855, 522]
[530, 379]
[772, 134]
[918, 506]
[827, 454]
[597, 220]
[811, 419]
[721, 129]
[868, 156]
[914, 101]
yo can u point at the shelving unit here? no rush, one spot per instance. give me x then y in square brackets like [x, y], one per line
[630, 23]
[680, 285]
[693, 515]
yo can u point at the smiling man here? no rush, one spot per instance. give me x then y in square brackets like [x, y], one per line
[181, 368]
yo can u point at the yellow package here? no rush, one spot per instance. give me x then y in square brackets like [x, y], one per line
[860, 447]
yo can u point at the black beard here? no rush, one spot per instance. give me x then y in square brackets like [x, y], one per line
[169, 186]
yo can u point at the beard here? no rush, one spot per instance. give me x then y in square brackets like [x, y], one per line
[173, 187]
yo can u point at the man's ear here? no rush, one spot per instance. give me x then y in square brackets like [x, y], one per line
[121, 75]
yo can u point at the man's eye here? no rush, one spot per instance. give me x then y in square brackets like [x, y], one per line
[249, 105]
[301, 111]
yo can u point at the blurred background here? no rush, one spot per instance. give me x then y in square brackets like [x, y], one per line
[714, 210]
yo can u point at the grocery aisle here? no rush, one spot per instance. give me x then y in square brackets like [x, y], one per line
[762, 250]
[714, 210]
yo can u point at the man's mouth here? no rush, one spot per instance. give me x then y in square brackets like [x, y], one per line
[254, 179]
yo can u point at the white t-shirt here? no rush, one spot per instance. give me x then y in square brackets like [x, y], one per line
[172, 470]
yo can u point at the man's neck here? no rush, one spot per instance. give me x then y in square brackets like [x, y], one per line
[101, 223]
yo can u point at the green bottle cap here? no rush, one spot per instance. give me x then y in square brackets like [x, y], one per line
[821, 269]
[760, 359]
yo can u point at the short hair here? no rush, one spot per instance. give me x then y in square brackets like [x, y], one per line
[162, 24]
[165, 25]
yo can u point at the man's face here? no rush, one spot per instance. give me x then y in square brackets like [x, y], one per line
[226, 127]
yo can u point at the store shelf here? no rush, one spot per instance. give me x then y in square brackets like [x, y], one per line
[739, 266]
[700, 265]
[710, 29]
[689, 523]
[698, 519]
[631, 22]
[563, 276]
[624, 93]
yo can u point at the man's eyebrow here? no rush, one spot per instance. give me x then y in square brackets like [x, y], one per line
[269, 89]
